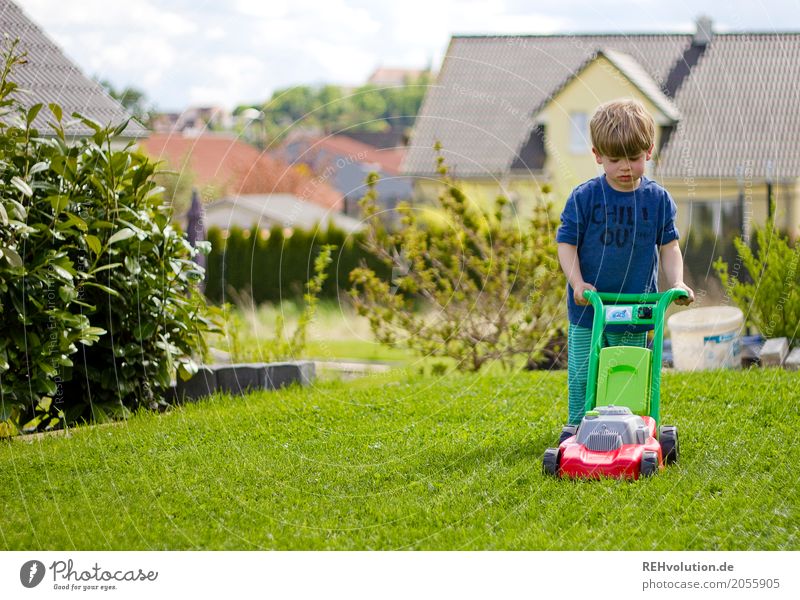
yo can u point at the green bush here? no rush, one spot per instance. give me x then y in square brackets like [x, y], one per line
[770, 298]
[97, 306]
[276, 267]
[492, 284]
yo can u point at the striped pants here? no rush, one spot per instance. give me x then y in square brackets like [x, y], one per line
[579, 343]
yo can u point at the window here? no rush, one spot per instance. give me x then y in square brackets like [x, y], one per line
[579, 140]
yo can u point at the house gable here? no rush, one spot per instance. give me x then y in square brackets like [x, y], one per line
[480, 108]
[565, 115]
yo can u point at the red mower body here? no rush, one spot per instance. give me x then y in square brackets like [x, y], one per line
[576, 460]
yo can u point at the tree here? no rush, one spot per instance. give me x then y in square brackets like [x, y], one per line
[492, 285]
[134, 100]
[331, 108]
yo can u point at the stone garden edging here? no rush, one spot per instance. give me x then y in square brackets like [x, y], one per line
[239, 379]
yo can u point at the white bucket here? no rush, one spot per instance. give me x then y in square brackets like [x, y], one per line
[706, 338]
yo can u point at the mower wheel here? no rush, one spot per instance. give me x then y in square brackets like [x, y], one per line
[649, 464]
[550, 461]
[567, 432]
[668, 437]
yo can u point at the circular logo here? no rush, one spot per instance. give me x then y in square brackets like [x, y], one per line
[31, 573]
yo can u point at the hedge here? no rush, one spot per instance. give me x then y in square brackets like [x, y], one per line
[270, 266]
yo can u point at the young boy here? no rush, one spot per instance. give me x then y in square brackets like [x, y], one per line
[613, 229]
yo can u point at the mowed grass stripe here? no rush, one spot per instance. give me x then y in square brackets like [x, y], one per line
[399, 461]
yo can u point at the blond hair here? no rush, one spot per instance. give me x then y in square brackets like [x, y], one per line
[622, 128]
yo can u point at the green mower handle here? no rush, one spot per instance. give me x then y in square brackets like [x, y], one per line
[660, 302]
[652, 298]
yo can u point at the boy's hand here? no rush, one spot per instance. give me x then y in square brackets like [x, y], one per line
[682, 286]
[577, 292]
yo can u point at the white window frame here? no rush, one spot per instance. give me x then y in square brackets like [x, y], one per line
[579, 139]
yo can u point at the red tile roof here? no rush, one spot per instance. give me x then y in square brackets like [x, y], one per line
[387, 159]
[235, 167]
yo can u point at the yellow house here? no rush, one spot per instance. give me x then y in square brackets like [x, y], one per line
[512, 113]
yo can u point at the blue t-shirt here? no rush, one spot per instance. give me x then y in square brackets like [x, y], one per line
[617, 235]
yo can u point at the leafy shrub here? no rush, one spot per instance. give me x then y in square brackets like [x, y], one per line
[770, 299]
[40, 323]
[97, 306]
[493, 285]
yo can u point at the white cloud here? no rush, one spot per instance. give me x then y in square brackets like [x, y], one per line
[139, 60]
[226, 77]
[261, 9]
[110, 15]
[344, 63]
[216, 33]
[178, 51]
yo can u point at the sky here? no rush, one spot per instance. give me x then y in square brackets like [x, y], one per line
[230, 52]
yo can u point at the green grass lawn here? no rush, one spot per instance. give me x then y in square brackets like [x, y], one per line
[336, 333]
[401, 461]
[360, 350]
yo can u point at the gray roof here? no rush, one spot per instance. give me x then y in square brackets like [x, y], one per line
[268, 210]
[49, 76]
[737, 105]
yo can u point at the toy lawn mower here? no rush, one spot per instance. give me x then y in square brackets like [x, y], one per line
[619, 435]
